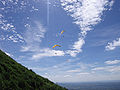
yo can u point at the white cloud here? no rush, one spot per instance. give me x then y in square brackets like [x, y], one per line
[111, 4]
[33, 37]
[72, 53]
[63, 70]
[99, 68]
[25, 48]
[58, 72]
[8, 54]
[76, 48]
[60, 75]
[67, 76]
[15, 38]
[78, 45]
[112, 62]
[83, 73]
[74, 71]
[113, 45]
[36, 33]
[108, 68]
[86, 13]
[48, 53]
[35, 9]
[6, 26]
[9, 31]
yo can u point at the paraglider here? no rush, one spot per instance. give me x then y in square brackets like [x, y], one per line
[60, 35]
[62, 31]
[56, 45]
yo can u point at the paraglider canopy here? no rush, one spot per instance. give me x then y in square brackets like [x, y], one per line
[56, 45]
[62, 31]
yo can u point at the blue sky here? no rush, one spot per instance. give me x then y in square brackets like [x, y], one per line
[90, 45]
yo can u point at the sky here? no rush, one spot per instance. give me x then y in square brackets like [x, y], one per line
[90, 44]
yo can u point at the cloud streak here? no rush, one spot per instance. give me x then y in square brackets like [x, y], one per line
[113, 45]
[48, 53]
[112, 62]
[108, 68]
[33, 37]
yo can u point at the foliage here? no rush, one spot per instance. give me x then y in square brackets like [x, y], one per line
[14, 76]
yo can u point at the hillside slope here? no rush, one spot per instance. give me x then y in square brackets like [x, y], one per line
[14, 76]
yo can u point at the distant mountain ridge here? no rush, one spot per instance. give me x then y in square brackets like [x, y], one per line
[14, 76]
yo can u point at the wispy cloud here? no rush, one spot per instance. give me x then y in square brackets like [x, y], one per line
[74, 71]
[112, 62]
[63, 72]
[33, 37]
[67, 76]
[48, 53]
[86, 14]
[113, 45]
[84, 73]
[76, 48]
[65, 68]
[72, 53]
[108, 68]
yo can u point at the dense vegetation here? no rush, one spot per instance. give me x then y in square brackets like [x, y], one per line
[14, 76]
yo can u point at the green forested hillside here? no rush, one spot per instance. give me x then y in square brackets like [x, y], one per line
[14, 76]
